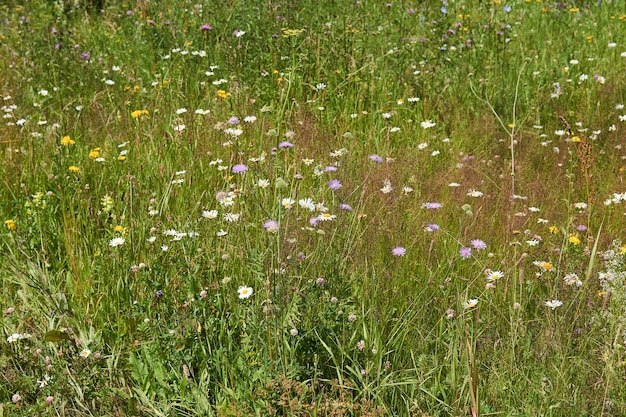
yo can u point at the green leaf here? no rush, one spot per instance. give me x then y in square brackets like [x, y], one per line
[55, 336]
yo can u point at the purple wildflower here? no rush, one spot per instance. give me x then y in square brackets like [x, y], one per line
[376, 158]
[239, 168]
[271, 225]
[478, 244]
[206, 27]
[465, 252]
[159, 293]
[334, 184]
[432, 227]
[313, 221]
[581, 228]
[433, 205]
[330, 169]
[345, 206]
[85, 55]
[398, 251]
[285, 144]
[233, 121]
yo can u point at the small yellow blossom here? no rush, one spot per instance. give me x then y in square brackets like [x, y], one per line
[574, 240]
[67, 141]
[137, 113]
[136, 89]
[119, 229]
[576, 139]
[74, 169]
[622, 250]
[10, 224]
[222, 94]
[574, 10]
[553, 230]
[121, 158]
[589, 38]
[94, 153]
[291, 32]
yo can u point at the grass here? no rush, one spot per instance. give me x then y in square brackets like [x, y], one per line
[312, 208]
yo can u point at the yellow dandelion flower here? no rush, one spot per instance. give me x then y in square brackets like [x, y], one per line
[554, 230]
[622, 250]
[94, 153]
[136, 89]
[67, 141]
[223, 94]
[121, 158]
[74, 169]
[119, 229]
[576, 139]
[589, 38]
[574, 240]
[10, 224]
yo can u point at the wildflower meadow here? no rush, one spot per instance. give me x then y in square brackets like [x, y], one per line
[313, 208]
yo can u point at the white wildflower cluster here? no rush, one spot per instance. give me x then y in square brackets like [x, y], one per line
[612, 278]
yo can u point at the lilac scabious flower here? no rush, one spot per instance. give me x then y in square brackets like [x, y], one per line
[581, 228]
[271, 225]
[344, 206]
[85, 55]
[433, 206]
[233, 121]
[313, 221]
[334, 184]
[478, 244]
[285, 144]
[432, 227]
[376, 158]
[398, 251]
[159, 293]
[465, 252]
[239, 168]
[206, 27]
[330, 169]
